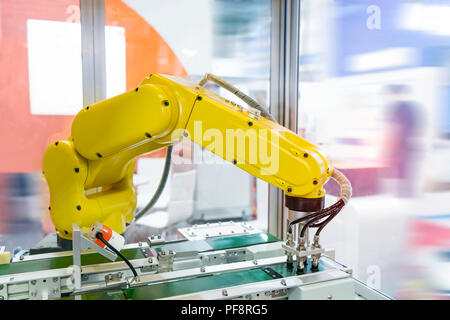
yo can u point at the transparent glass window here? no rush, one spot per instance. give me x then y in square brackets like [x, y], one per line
[374, 94]
[41, 90]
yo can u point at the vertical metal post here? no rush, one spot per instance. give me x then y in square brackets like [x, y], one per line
[92, 18]
[76, 253]
[292, 63]
[275, 212]
[284, 72]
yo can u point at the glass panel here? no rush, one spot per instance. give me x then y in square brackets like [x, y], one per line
[230, 39]
[41, 88]
[374, 93]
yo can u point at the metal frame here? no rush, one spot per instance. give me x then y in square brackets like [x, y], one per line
[93, 58]
[264, 286]
[65, 253]
[51, 283]
[367, 293]
[284, 72]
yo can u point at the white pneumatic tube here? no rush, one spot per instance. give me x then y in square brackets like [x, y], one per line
[346, 187]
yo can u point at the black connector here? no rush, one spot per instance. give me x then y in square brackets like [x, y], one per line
[100, 237]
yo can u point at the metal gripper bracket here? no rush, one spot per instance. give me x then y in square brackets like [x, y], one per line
[82, 242]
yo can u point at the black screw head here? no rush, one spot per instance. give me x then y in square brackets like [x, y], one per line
[186, 134]
[289, 189]
[165, 103]
[136, 89]
[250, 123]
[305, 155]
[234, 161]
[56, 143]
[87, 108]
[148, 135]
[78, 207]
[199, 98]
[49, 208]
[77, 170]
[99, 155]
[315, 182]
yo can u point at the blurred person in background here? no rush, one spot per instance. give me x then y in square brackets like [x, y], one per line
[403, 149]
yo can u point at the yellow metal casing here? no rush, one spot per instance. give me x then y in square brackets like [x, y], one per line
[259, 146]
[90, 174]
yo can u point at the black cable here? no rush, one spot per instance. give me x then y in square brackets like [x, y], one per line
[110, 246]
[161, 186]
[318, 224]
[307, 224]
[312, 215]
[315, 214]
[323, 224]
[334, 211]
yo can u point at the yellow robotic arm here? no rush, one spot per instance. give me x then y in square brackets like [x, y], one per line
[90, 174]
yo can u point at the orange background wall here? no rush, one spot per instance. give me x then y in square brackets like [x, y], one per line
[24, 137]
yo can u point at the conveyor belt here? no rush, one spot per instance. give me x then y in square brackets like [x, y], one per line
[179, 287]
[136, 253]
[63, 262]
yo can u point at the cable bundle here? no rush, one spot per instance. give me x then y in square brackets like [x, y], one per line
[314, 220]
